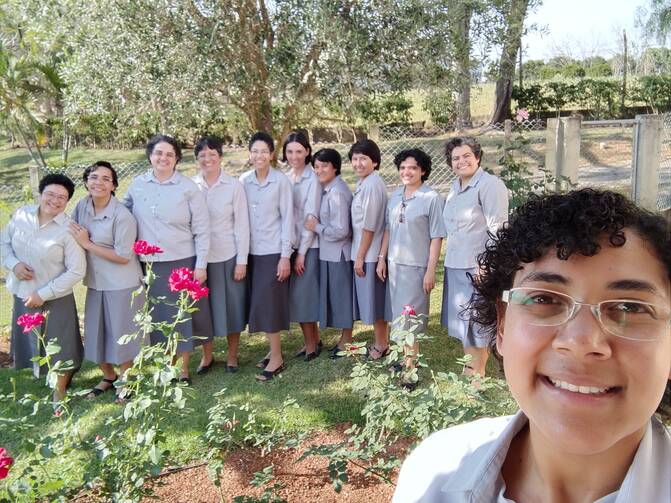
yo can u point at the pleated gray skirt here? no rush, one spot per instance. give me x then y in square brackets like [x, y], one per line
[197, 328]
[406, 286]
[109, 316]
[62, 326]
[304, 290]
[336, 309]
[268, 298]
[457, 293]
[369, 296]
[228, 298]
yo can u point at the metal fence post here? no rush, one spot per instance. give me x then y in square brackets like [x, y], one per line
[645, 160]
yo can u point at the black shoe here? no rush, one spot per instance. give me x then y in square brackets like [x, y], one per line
[320, 345]
[204, 369]
[261, 364]
[268, 375]
[310, 356]
[231, 369]
[185, 380]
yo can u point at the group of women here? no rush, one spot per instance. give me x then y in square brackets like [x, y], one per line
[274, 247]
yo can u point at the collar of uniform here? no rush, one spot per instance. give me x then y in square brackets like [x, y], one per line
[105, 213]
[200, 180]
[174, 178]
[61, 219]
[331, 184]
[421, 189]
[480, 478]
[272, 177]
[475, 179]
[368, 179]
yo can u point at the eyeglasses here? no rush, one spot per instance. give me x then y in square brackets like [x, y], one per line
[96, 178]
[259, 152]
[57, 197]
[625, 318]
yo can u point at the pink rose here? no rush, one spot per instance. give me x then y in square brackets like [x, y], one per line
[5, 463]
[29, 321]
[143, 248]
[408, 310]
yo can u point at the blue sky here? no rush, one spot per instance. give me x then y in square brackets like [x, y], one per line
[581, 28]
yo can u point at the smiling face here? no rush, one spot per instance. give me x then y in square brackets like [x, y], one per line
[583, 389]
[53, 200]
[259, 155]
[464, 163]
[163, 159]
[209, 161]
[325, 172]
[100, 182]
[363, 165]
[410, 172]
[296, 154]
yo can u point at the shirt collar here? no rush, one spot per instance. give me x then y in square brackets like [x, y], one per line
[107, 212]
[272, 177]
[174, 178]
[200, 180]
[332, 184]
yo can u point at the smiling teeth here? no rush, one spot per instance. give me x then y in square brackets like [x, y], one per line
[585, 390]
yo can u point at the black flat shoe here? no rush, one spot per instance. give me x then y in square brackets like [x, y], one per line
[204, 369]
[268, 375]
[99, 391]
[300, 354]
[231, 369]
[310, 356]
[263, 363]
[320, 345]
[185, 380]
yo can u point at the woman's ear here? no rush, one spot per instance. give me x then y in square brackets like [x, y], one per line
[500, 323]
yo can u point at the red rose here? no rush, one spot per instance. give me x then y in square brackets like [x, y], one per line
[29, 321]
[408, 310]
[5, 463]
[143, 248]
[181, 279]
[197, 292]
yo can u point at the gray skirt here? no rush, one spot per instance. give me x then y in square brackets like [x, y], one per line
[369, 296]
[268, 298]
[336, 308]
[406, 286]
[108, 316]
[304, 289]
[457, 293]
[228, 298]
[62, 326]
[197, 328]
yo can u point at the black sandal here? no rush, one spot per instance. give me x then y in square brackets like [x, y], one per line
[98, 391]
[263, 363]
[268, 375]
[380, 352]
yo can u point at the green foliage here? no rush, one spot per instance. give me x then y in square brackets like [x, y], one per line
[600, 97]
[655, 91]
[440, 106]
[384, 109]
[530, 97]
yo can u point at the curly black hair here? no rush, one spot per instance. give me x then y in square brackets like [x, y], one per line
[566, 223]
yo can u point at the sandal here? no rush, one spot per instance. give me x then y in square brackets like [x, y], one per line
[268, 375]
[123, 395]
[375, 354]
[261, 364]
[99, 391]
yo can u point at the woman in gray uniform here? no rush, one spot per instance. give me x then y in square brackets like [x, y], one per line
[107, 230]
[304, 279]
[369, 206]
[271, 223]
[335, 247]
[412, 240]
[44, 262]
[476, 206]
[229, 247]
[171, 213]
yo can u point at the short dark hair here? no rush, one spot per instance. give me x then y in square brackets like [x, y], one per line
[156, 139]
[463, 141]
[329, 155]
[368, 148]
[264, 137]
[57, 179]
[101, 164]
[298, 137]
[421, 157]
[211, 142]
[568, 224]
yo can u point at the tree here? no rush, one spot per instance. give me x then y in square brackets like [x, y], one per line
[656, 19]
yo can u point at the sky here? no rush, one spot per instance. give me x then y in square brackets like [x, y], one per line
[580, 28]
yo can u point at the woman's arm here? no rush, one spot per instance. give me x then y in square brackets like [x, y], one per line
[434, 254]
[74, 261]
[81, 235]
[381, 268]
[240, 231]
[200, 228]
[338, 227]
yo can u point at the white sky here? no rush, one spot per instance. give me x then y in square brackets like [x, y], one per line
[580, 28]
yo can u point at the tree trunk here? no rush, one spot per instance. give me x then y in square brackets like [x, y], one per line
[514, 19]
[460, 32]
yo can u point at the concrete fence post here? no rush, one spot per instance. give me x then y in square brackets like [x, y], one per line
[645, 160]
[554, 136]
[562, 150]
[508, 131]
[34, 172]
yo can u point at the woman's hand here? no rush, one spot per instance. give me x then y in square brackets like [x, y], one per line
[283, 269]
[23, 271]
[299, 264]
[200, 275]
[80, 234]
[240, 272]
[34, 300]
[429, 281]
[359, 267]
[381, 269]
[311, 223]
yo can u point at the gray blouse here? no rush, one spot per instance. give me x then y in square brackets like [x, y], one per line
[307, 198]
[369, 206]
[58, 262]
[171, 214]
[271, 213]
[229, 219]
[334, 227]
[412, 224]
[470, 213]
[114, 228]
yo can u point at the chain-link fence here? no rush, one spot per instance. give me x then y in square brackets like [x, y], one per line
[664, 196]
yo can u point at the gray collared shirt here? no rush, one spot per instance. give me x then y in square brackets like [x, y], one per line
[113, 228]
[171, 214]
[271, 213]
[470, 214]
[369, 207]
[58, 262]
[412, 224]
[307, 198]
[463, 464]
[229, 219]
[334, 227]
